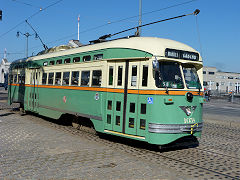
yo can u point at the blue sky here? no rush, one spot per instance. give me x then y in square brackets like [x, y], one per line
[218, 25]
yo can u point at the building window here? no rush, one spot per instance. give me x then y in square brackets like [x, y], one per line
[204, 72]
[98, 57]
[96, 78]
[205, 83]
[86, 58]
[76, 59]
[230, 77]
[211, 73]
[75, 78]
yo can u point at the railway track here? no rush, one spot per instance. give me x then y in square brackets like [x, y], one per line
[211, 160]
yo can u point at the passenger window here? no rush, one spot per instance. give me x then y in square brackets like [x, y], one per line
[23, 79]
[15, 78]
[85, 76]
[58, 77]
[68, 60]
[66, 78]
[98, 57]
[75, 78]
[51, 62]
[86, 58]
[143, 108]
[118, 120]
[50, 78]
[109, 107]
[118, 106]
[10, 79]
[134, 76]
[132, 107]
[145, 75]
[131, 123]
[110, 78]
[59, 61]
[44, 78]
[19, 78]
[142, 124]
[109, 119]
[97, 78]
[120, 71]
[76, 59]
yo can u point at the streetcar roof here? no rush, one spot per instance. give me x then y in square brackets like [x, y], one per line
[153, 45]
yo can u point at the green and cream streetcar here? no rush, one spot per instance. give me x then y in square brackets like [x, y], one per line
[144, 88]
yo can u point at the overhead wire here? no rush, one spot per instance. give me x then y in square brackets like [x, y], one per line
[23, 21]
[117, 21]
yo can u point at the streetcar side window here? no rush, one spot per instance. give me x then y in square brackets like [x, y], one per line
[76, 59]
[118, 106]
[96, 78]
[110, 78]
[50, 78]
[109, 119]
[51, 62]
[66, 78]
[75, 78]
[87, 58]
[132, 107]
[120, 71]
[19, 78]
[44, 78]
[23, 79]
[15, 78]
[85, 76]
[131, 123]
[58, 77]
[134, 76]
[59, 61]
[98, 57]
[145, 75]
[109, 107]
[142, 124]
[68, 60]
[143, 108]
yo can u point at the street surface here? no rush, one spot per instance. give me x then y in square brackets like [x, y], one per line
[33, 147]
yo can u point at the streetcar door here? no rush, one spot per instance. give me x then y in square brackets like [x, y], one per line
[132, 109]
[33, 92]
[115, 96]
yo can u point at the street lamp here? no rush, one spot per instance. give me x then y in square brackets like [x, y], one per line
[26, 35]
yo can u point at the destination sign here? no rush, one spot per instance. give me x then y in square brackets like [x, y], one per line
[179, 54]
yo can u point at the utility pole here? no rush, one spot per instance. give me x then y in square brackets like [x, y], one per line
[26, 35]
[78, 25]
[140, 17]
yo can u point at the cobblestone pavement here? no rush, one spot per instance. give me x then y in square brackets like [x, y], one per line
[31, 149]
[34, 147]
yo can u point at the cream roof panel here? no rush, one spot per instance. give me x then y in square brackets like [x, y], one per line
[153, 45]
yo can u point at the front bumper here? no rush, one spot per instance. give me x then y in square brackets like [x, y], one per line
[174, 128]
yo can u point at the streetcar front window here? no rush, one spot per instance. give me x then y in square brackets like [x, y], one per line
[191, 76]
[169, 76]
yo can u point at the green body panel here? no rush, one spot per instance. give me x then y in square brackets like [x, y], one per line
[50, 102]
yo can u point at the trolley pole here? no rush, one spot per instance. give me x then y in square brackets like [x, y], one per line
[78, 25]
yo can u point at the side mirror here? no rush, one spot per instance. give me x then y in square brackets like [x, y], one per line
[155, 64]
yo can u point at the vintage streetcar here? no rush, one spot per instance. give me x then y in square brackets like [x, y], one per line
[144, 88]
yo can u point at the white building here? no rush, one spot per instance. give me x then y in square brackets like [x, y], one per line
[222, 82]
[4, 69]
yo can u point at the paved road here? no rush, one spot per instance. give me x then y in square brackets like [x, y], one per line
[222, 109]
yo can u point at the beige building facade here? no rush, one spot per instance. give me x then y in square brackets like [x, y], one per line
[221, 82]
